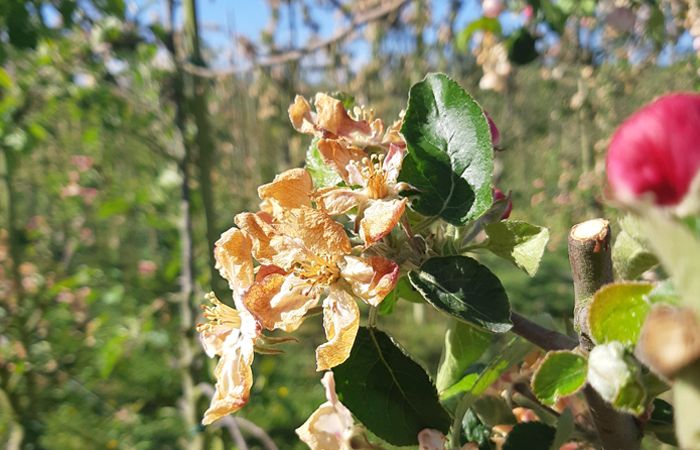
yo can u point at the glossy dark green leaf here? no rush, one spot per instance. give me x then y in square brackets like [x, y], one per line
[464, 289]
[530, 436]
[661, 422]
[387, 391]
[450, 156]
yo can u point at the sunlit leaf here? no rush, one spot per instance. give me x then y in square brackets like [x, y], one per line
[617, 312]
[464, 344]
[518, 242]
[450, 155]
[631, 253]
[560, 374]
[474, 384]
[321, 173]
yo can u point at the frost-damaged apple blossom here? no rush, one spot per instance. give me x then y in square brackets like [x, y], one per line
[383, 215]
[281, 261]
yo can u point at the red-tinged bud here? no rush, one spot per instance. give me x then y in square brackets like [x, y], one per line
[495, 134]
[657, 151]
[499, 195]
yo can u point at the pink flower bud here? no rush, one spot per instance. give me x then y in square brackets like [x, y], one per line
[495, 134]
[499, 195]
[657, 151]
[527, 13]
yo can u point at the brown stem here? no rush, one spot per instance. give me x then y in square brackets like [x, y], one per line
[591, 268]
[542, 337]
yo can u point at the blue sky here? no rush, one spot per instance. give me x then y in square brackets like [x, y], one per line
[249, 17]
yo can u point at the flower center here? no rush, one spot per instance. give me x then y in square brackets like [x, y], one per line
[217, 314]
[375, 176]
[319, 270]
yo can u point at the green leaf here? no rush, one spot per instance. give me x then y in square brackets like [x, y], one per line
[490, 24]
[450, 155]
[630, 257]
[565, 427]
[560, 374]
[5, 79]
[388, 391]
[321, 173]
[631, 253]
[464, 345]
[475, 384]
[346, 99]
[530, 436]
[664, 292]
[465, 289]
[493, 411]
[617, 312]
[553, 15]
[405, 290]
[672, 243]
[661, 422]
[518, 242]
[686, 398]
[475, 431]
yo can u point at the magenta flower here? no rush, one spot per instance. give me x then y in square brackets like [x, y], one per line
[657, 151]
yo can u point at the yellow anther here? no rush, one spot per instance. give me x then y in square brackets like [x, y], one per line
[218, 314]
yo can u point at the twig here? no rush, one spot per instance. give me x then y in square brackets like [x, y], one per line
[542, 337]
[235, 424]
[591, 268]
[358, 21]
[257, 432]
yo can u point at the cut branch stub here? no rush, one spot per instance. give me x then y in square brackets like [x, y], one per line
[591, 268]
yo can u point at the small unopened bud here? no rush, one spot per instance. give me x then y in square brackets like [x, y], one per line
[498, 195]
[495, 134]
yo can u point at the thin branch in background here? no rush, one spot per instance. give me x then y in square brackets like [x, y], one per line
[235, 424]
[358, 21]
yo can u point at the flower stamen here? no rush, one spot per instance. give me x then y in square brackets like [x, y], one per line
[218, 314]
